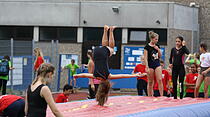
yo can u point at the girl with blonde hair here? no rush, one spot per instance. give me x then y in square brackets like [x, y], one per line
[39, 58]
[152, 54]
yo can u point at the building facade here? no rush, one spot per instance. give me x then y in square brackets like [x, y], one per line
[78, 26]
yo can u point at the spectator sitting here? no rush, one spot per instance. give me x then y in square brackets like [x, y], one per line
[191, 81]
[63, 97]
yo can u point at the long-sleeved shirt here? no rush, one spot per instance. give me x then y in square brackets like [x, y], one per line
[177, 55]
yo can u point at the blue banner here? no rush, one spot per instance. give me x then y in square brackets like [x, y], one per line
[132, 56]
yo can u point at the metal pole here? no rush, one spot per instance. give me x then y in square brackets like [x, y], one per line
[192, 41]
[12, 55]
[52, 60]
[57, 65]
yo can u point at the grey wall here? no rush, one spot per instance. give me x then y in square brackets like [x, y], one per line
[39, 13]
[130, 14]
[185, 18]
[96, 14]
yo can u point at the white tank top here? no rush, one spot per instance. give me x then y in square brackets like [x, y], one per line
[205, 60]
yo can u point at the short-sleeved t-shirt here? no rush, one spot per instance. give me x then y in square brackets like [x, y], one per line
[205, 60]
[140, 68]
[192, 61]
[152, 53]
[39, 61]
[6, 77]
[165, 80]
[61, 98]
[73, 69]
[191, 79]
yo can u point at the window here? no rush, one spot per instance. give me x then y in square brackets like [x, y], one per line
[18, 33]
[66, 34]
[138, 36]
[6, 33]
[93, 36]
[62, 34]
[24, 33]
[48, 34]
[141, 36]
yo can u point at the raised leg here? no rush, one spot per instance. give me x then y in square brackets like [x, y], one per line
[111, 37]
[105, 41]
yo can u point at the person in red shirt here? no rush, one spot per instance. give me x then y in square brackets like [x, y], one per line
[63, 97]
[170, 81]
[141, 81]
[190, 81]
[165, 80]
[12, 106]
[39, 58]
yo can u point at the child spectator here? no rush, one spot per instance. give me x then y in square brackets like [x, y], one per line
[141, 81]
[63, 97]
[190, 81]
[73, 70]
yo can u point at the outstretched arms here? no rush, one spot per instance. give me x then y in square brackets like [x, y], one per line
[84, 75]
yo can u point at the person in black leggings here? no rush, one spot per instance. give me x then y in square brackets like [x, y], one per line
[177, 64]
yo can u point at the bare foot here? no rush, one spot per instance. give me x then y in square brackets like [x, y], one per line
[112, 28]
[106, 27]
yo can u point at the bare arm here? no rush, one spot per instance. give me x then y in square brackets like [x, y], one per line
[84, 75]
[187, 61]
[35, 61]
[121, 76]
[90, 67]
[26, 104]
[145, 60]
[46, 93]
[146, 57]
[159, 53]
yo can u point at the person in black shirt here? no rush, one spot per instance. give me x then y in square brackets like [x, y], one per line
[101, 69]
[176, 61]
[152, 54]
[38, 95]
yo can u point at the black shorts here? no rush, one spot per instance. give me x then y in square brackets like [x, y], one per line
[189, 95]
[203, 69]
[154, 64]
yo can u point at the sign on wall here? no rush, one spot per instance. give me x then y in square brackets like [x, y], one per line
[66, 59]
[132, 56]
[17, 71]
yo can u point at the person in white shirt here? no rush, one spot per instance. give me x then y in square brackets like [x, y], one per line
[204, 74]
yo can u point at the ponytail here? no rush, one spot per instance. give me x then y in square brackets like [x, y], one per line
[152, 35]
[43, 70]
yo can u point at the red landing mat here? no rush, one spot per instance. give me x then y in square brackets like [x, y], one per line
[121, 105]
